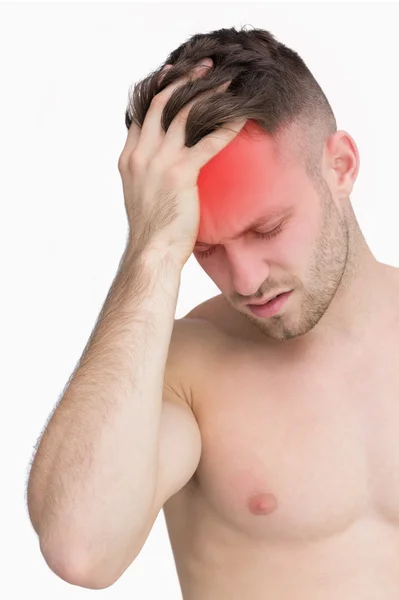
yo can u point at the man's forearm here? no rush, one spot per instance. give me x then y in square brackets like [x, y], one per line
[94, 476]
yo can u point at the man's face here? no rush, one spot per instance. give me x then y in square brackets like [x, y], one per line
[307, 240]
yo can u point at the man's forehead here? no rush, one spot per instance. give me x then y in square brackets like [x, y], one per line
[241, 183]
[249, 159]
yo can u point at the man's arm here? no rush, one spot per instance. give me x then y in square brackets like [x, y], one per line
[95, 485]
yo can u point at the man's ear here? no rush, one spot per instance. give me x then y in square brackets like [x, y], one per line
[342, 164]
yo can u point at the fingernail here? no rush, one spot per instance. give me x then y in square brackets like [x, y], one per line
[205, 62]
[163, 72]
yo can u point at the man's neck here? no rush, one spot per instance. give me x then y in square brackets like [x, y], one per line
[365, 301]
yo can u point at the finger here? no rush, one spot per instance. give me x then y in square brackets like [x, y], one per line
[134, 131]
[163, 72]
[152, 133]
[203, 151]
[133, 136]
[175, 137]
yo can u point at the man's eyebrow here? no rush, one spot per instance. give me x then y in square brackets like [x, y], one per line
[261, 221]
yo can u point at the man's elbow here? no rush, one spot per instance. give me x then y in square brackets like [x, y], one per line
[77, 570]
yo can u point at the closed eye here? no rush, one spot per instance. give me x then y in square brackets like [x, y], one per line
[268, 234]
[258, 234]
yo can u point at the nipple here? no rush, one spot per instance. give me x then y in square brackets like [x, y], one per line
[262, 504]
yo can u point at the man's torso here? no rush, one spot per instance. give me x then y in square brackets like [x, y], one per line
[296, 495]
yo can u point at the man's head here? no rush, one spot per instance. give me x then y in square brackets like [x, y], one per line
[306, 219]
[289, 164]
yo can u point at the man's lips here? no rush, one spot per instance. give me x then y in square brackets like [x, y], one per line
[271, 297]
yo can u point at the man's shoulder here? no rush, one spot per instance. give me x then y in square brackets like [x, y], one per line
[200, 322]
[195, 341]
[222, 320]
[196, 333]
[208, 311]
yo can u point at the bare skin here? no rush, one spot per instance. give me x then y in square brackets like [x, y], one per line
[273, 448]
[295, 496]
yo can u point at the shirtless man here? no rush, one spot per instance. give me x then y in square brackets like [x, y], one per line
[269, 435]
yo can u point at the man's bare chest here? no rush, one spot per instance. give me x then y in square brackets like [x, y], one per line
[301, 451]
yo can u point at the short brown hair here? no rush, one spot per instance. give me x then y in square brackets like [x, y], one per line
[271, 85]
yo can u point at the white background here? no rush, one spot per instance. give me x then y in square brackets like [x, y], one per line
[64, 78]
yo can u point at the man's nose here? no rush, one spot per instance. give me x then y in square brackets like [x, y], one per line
[247, 271]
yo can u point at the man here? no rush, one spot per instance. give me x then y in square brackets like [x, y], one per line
[268, 434]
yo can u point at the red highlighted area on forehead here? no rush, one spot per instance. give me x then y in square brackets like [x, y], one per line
[237, 185]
